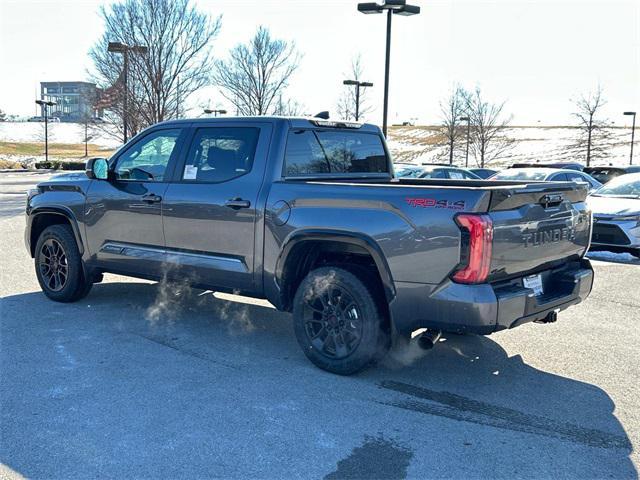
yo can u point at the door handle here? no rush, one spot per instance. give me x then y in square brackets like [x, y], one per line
[237, 203]
[151, 198]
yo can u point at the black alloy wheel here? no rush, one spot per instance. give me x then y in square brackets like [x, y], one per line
[52, 261]
[333, 322]
[339, 319]
[59, 266]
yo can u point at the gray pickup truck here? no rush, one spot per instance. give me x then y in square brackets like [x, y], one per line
[307, 213]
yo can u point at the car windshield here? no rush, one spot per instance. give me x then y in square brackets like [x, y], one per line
[623, 186]
[514, 174]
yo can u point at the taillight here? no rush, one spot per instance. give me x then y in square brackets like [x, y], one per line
[477, 240]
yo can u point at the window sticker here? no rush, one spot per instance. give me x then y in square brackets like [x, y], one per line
[190, 172]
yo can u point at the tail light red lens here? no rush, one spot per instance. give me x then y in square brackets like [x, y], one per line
[477, 240]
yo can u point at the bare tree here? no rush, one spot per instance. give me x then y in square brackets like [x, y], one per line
[452, 108]
[288, 108]
[346, 106]
[48, 133]
[488, 128]
[256, 74]
[177, 63]
[594, 132]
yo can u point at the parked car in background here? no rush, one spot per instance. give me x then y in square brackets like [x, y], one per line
[483, 172]
[616, 215]
[605, 174]
[434, 171]
[563, 165]
[41, 119]
[547, 174]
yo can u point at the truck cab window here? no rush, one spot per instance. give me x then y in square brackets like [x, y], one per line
[147, 159]
[219, 154]
[312, 152]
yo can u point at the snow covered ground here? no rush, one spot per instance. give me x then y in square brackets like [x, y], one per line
[408, 144]
[532, 144]
[58, 133]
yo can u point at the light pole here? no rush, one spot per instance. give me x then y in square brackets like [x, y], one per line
[43, 105]
[633, 130]
[393, 7]
[124, 49]
[215, 112]
[358, 84]
[466, 156]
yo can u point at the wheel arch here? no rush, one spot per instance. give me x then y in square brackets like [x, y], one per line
[297, 258]
[43, 217]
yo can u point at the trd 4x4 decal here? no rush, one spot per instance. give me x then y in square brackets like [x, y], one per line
[433, 203]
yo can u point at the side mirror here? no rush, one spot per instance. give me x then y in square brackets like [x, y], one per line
[97, 168]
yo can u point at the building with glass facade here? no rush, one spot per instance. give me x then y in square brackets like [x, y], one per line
[74, 100]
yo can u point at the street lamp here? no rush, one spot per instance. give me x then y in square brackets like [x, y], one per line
[466, 157]
[633, 130]
[214, 111]
[124, 49]
[43, 105]
[358, 84]
[395, 7]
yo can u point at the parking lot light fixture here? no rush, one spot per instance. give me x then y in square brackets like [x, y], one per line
[124, 49]
[633, 130]
[357, 84]
[392, 7]
[215, 112]
[466, 156]
[44, 105]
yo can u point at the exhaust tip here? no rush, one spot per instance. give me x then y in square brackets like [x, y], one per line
[428, 339]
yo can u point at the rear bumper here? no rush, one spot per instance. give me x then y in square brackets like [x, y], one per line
[488, 308]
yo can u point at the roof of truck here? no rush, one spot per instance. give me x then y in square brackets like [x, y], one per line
[294, 122]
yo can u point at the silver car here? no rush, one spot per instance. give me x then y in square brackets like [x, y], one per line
[616, 215]
[547, 174]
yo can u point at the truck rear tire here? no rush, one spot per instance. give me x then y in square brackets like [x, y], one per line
[58, 265]
[337, 321]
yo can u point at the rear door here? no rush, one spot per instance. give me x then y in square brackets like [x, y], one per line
[210, 207]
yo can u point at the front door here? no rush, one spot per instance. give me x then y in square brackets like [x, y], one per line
[210, 209]
[124, 214]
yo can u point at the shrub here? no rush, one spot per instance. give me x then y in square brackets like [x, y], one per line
[60, 165]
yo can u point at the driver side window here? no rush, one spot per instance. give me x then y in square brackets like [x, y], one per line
[147, 159]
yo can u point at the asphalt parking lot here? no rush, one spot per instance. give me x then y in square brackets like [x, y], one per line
[142, 380]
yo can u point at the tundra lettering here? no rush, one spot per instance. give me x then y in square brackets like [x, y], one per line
[555, 235]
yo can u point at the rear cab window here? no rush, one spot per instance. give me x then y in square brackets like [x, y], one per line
[312, 152]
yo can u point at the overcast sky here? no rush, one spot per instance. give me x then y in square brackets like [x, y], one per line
[536, 55]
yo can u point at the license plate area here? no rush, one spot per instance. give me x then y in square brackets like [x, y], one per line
[534, 282]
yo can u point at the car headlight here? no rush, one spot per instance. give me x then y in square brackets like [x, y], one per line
[32, 192]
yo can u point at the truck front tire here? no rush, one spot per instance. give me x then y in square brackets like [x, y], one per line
[337, 321]
[58, 265]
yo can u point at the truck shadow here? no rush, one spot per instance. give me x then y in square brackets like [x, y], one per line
[465, 378]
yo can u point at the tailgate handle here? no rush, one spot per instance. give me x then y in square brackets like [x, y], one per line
[551, 200]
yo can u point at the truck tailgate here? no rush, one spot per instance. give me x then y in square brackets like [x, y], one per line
[538, 226]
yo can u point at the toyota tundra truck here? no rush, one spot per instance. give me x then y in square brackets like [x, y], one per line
[307, 213]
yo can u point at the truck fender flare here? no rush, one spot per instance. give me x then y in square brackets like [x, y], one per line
[62, 211]
[338, 236]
